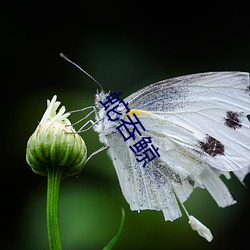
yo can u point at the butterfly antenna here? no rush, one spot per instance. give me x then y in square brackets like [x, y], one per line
[86, 73]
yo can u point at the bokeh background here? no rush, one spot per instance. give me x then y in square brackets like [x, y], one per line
[125, 45]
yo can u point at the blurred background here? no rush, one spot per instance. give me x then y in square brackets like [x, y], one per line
[125, 45]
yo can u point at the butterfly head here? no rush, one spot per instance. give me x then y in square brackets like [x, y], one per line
[106, 117]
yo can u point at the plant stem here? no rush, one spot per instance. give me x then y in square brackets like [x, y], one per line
[54, 177]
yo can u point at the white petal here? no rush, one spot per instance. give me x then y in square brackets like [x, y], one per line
[50, 109]
[200, 228]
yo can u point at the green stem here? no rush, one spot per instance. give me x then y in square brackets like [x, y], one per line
[54, 177]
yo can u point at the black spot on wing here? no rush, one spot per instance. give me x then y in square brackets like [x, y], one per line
[212, 146]
[233, 119]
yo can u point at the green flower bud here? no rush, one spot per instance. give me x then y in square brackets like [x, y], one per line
[55, 144]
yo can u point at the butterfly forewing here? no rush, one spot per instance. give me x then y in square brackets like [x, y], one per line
[211, 108]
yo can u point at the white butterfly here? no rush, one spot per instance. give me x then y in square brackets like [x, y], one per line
[199, 127]
[198, 124]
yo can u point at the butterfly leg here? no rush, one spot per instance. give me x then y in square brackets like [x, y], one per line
[81, 129]
[96, 152]
[92, 154]
[86, 116]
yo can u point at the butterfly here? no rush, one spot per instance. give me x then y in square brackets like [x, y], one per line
[175, 135]
[198, 123]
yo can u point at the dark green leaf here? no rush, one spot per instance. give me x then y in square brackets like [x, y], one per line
[117, 234]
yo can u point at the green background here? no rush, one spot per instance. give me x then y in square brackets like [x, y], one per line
[125, 46]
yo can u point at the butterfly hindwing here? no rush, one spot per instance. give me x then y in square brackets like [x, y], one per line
[143, 187]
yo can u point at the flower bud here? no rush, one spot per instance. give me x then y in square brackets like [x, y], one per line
[55, 144]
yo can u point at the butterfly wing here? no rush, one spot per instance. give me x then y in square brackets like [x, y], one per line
[143, 188]
[175, 173]
[199, 124]
[211, 106]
